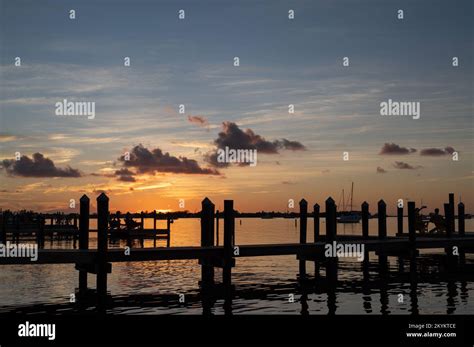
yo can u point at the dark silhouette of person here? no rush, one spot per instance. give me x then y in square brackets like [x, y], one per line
[129, 222]
[438, 221]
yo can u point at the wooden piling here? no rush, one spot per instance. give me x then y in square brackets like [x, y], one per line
[448, 217]
[83, 238]
[3, 233]
[102, 233]
[331, 227]
[168, 227]
[40, 233]
[382, 219]
[399, 220]
[452, 212]
[411, 222]
[461, 220]
[365, 219]
[303, 229]
[217, 228]
[316, 211]
[207, 235]
[154, 228]
[229, 225]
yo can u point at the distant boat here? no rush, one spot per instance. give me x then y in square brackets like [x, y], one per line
[348, 216]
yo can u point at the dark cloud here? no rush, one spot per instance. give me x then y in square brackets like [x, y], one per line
[199, 120]
[405, 166]
[233, 137]
[393, 148]
[125, 175]
[436, 152]
[148, 161]
[381, 170]
[37, 166]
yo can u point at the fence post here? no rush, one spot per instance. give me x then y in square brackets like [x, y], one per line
[83, 238]
[448, 218]
[229, 225]
[411, 223]
[316, 210]
[399, 220]
[365, 220]
[102, 234]
[207, 232]
[303, 227]
[382, 218]
[331, 228]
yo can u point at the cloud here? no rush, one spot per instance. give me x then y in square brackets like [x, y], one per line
[381, 170]
[436, 152]
[392, 148]
[125, 175]
[38, 166]
[146, 161]
[233, 137]
[198, 120]
[405, 166]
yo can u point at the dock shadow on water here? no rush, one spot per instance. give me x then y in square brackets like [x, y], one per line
[406, 273]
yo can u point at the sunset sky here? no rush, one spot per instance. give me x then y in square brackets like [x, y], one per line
[190, 62]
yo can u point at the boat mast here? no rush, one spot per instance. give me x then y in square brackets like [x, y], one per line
[352, 193]
[343, 201]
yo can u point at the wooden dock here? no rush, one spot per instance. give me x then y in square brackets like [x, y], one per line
[211, 256]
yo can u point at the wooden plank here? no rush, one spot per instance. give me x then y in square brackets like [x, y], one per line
[71, 256]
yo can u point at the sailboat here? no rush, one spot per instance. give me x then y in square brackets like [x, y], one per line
[348, 216]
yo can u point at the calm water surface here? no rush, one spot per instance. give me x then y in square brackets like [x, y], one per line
[262, 284]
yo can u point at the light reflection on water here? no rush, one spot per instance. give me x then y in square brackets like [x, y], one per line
[263, 284]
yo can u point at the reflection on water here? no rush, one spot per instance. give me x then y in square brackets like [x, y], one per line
[262, 285]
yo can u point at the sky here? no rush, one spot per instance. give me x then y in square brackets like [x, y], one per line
[190, 61]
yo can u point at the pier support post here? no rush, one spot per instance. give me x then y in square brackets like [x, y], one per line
[461, 220]
[154, 228]
[40, 237]
[217, 227]
[102, 234]
[316, 211]
[229, 225]
[411, 223]
[168, 227]
[3, 231]
[449, 219]
[365, 220]
[331, 235]
[462, 232]
[331, 227]
[207, 240]
[229, 240]
[452, 211]
[83, 238]
[399, 220]
[303, 228]
[382, 218]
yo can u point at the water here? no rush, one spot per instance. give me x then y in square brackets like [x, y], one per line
[263, 285]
